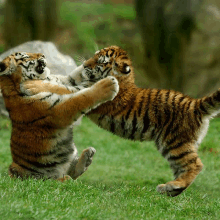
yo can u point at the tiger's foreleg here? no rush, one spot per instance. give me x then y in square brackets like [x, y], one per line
[186, 165]
[33, 87]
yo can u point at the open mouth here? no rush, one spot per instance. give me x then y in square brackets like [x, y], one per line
[40, 68]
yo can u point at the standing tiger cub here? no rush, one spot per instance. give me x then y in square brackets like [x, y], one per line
[176, 122]
[41, 139]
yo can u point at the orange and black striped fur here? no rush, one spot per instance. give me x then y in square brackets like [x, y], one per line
[41, 139]
[176, 122]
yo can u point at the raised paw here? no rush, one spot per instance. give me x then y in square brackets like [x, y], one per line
[107, 88]
[89, 153]
[172, 188]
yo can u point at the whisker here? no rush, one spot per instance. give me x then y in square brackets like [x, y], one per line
[79, 58]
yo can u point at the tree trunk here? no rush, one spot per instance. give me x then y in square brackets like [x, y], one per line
[27, 20]
[166, 27]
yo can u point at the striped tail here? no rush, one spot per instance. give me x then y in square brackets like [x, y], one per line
[210, 105]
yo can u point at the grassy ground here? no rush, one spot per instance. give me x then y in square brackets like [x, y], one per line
[120, 184]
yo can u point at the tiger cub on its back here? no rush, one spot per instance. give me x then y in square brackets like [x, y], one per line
[176, 122]
[41, 139]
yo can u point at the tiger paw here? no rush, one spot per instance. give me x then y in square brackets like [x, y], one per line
[64, 178]
[88, 155]
[172, 188]
[107, 88]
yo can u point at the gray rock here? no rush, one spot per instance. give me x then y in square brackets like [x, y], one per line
[56, 61]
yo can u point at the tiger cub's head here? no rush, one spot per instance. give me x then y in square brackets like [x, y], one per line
[108, 61]
[23, 66]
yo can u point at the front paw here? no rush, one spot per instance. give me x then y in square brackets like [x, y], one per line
[107, 88]
[32, 87]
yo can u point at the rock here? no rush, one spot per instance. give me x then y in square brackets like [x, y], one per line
[56, 61]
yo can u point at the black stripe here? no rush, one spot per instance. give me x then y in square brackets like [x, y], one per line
[109, 69]
[48, 96]
[157, 103]
[190, 161]
[131, 105]
[47, 165]
[140, 105]
[173, 100]
[101, 117]
[158, 137]
[167, 149]
[30, 122]
[112, 52]
[181, 99]
[197, 114]
[167, 96]
[210, 101]
[180, 156]
[197, 117]
[146, 120]
[128, 113]
[155, 109]
[55, 103]
[172, 116]
[112, 125]
[167, 109]
[216, 96]
[72, 81]
[65, 153]
[188, 105]
[122, 123]
[175, 128]
[27, 168]
[68, 139]
[202, 107]
[134, 129]
[42, 165]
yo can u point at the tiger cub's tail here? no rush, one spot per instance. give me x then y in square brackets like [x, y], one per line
[210, 105]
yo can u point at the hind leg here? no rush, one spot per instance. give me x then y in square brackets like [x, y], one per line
[81, 165]
[186, 165]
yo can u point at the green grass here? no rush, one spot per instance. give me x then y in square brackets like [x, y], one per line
[120, 184]
[95, 25]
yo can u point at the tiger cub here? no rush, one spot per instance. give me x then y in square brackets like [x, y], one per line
[176, 122]
[41, 139]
